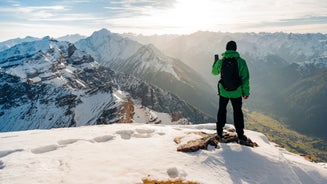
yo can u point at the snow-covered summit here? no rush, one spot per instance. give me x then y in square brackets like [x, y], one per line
[125, 55]
[26, 49]
[107, 47]
[130, 153]
[148, 63]
[72, 38]
[46, 60]
[9, 43]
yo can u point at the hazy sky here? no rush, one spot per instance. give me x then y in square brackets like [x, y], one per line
[19, 18]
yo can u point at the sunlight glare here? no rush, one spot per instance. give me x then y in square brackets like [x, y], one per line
[187, 17]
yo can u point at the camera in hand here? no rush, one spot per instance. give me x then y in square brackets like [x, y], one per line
[216, 57]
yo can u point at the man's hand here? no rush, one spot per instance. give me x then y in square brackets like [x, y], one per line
[245, 97]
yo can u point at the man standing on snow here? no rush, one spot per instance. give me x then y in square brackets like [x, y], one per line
[234, 85]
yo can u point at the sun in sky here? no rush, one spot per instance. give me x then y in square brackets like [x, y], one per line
[19, 18]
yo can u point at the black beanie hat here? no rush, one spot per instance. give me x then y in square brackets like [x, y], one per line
[231, 45]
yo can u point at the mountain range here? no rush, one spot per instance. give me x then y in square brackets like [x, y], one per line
[288, 71]
[148, 63]
[50, 84]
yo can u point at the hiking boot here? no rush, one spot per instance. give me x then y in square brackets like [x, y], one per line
[242, 139]
[221, 139]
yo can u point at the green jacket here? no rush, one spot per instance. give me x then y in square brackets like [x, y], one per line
[244, 89]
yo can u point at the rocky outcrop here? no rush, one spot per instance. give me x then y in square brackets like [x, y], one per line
[202, 142]
[194, 141]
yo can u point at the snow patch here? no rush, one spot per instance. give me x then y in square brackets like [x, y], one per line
[65, 153]
[87, 112]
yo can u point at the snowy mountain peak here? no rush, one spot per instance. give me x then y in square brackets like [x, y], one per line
[9, 43]
[151, 65]
[47, 83]
[115, 47]
[102, 31]
[72, 38]
[38, 60]
[105, 35]
[101, 34]
[26, 48]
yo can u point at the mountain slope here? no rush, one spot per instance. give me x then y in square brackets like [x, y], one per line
[309, 96]
[50, 84]
[149, 64]
[130, 153]
[42, 86]
[151, 96]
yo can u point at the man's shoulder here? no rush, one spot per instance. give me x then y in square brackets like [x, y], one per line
[240, 59]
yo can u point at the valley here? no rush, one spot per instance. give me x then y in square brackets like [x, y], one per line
[312, 148]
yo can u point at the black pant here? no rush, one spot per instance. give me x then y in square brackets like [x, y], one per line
[237, 113]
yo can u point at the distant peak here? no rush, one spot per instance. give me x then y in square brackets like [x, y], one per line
[30, 37]
[46, 38]
[153, 48]
[102, 31]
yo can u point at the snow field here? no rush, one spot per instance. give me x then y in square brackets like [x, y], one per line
[127, 153]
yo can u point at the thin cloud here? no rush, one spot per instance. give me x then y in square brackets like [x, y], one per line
[157, 4]
[311, 20]
[161, 4]
[32, 12]
[66, 18]
[135, 8]
[43, 29]
[165, 16]
[30, 9]
[305, 20]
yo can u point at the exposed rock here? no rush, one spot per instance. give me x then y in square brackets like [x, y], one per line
[126, 111]
[195, 145]
[201, 140]
[175, 116]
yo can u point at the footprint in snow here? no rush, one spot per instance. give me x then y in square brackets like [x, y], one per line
[2, 165]
[44, 149]
[139, 133]
[144, 133]
[125, 134]
[67, 141]
[104, 138]
[8, 152]
[173, 172]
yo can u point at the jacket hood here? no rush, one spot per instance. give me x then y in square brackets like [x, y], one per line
[230, 54]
